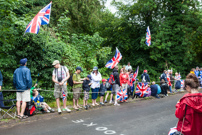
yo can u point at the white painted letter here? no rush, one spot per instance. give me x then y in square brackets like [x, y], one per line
[101, 128]
[90, 125]
[110, 132]
[78, 121]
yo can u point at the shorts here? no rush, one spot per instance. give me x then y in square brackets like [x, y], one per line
[76, 93]
[42, 105]
[86, 95]
[102, 94]
[115, 88]
[58, 89]
[124, 86]
[23, 96]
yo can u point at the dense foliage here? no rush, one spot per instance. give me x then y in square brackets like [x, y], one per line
[83, 33]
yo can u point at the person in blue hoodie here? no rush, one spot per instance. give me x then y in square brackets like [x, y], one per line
[1, 80]
[22, 81]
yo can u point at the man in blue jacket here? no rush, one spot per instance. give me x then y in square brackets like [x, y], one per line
[1, 80]
[22, 81]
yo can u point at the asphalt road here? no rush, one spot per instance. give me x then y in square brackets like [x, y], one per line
[146, 117]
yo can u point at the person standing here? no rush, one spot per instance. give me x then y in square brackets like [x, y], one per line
[77, 87]
[164, 76]
[128, 67]
[115, 86]
[196, 72]
[22, 81]
[189, 108]
[1, 81]
[59, 77]
[145, 76]
[124, 78]
[95, 87]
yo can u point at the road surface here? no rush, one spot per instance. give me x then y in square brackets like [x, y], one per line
[145, 117]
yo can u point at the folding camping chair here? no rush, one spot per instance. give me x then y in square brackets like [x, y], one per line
[7, 110]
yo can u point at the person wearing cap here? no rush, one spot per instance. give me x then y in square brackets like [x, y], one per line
[1, 80]
[60, 76]
[96, 78]
[103, 88]
[22, 81]
[145, 76]
[86, 88]
[77, 87]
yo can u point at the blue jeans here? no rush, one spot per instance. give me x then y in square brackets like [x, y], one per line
[170, 88]
[95, 93]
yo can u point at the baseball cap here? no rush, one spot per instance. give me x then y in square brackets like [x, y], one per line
[104, 80]
[79, 68]
[95, 68]
[145, 71]
[55, 62]
[23, 61]
[89, 76]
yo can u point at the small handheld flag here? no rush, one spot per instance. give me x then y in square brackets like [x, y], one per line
[42, 18]
[148, 37]
[63, 96]
[115, 60]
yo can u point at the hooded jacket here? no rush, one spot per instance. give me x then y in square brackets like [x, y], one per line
[124, 78]
[116, 76]
[193, 117]
[1, 79]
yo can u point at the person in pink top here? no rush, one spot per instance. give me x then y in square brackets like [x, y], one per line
[124, 78]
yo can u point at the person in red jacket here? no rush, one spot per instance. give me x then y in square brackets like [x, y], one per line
[189, 108]
[124, 77]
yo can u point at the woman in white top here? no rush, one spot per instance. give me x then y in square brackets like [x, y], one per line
[96, 78]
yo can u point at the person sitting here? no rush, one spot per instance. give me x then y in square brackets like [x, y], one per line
[39, 103]
[189, 108]
[154, 90]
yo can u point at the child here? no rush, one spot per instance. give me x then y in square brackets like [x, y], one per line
[109, 88]
[86, 88]
[38, 101]
[103, 88]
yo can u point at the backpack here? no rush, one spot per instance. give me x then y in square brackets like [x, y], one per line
[178, 84]
[111, 79]
[159, 89]
[70, 80]
[108, 85]
[30, 108]
[143, 78]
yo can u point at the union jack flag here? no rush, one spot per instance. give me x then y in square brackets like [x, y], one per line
[115, 60]
[148, 37]
[42, 18]
[122, 95]
[136, 73]
[63, 96]
[142, 89]
[182, 83]
[172, 131]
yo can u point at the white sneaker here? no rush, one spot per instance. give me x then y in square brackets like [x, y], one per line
[116, 104]
[66, 109]
[110, 102]
[59, 111]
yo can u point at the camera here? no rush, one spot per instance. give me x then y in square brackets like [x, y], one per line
[60, 79]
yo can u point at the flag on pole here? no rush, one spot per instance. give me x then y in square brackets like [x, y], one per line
[42, 18]
[115, 60]
[136, 73]
[148, 37]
